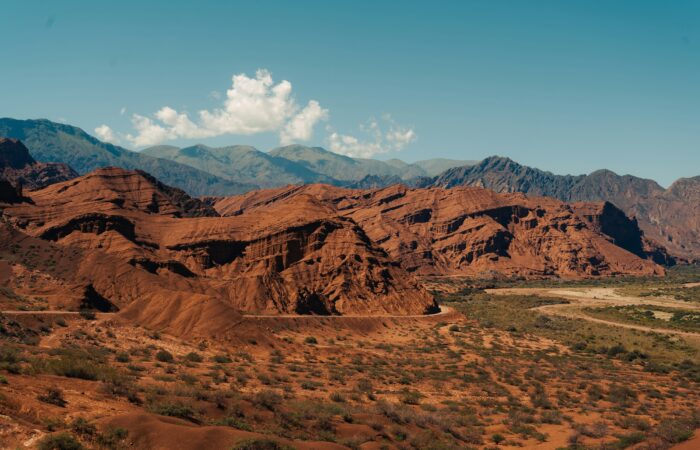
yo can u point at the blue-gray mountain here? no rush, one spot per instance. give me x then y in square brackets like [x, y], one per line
[55, 142]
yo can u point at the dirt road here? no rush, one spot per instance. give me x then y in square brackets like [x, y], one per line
[443, 311]
[581, 298]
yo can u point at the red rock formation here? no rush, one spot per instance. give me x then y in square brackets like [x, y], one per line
[299, 256]
[466, 231]
[20, 169]
[623, 231]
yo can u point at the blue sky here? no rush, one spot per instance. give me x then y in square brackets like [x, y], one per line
[564, 86]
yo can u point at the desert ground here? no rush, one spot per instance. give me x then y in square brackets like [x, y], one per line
[523, 365]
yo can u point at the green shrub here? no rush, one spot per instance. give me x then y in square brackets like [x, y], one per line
[82, 427]
[628, 440]
[175, 409]
[164, 356]
[260, 444]
[234, 422]
[410, 397]
[61, 441]
[53, 396]
[111, 438]
[221, 359]
[87, 314]
[675, 431]
[267, 399]
[194, 357]
[75, 363]
[337, 397]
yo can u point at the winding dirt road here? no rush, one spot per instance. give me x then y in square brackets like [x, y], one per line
[443, 311]
[581, 298]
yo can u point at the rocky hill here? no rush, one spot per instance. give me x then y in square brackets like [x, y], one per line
[174, 252]
[468, 231]
[21, 170]
[671, 217]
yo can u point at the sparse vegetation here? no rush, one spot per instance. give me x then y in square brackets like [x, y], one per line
[60, 441]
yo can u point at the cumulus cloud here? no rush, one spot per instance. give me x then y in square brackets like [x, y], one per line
[106, 134]
[301, 126]
[252, 105]
[255, 105]
[377, 140]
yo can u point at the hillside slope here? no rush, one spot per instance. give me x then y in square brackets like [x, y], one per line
[299, 256]
[241, 163]
[671, 217]
[467, 231]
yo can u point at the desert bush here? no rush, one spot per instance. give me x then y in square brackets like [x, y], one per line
[87, 314]
[61, 441]
[337, 397]
[552, 416]
[112, 438]
[164, 356]
[10, 359]
[221, 359]
[82, 427]
[194, 357]
[235, 422]
[675, 430]
[53, 396]
[621, 395]
[175, 409]
[364, 385]
[628, 440]
[76, 363]
[410, 397]
[260, 444]
[310, 340]
[267, 399]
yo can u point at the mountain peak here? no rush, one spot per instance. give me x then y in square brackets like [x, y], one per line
[14, 155]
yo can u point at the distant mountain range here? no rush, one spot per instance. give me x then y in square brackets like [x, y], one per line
[202, 170]
[55, 142]
[671, 217]
[297, 164]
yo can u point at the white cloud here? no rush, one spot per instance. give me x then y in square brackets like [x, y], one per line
[105, 133]
[255, 105]
[252, 106]
[377, 141]
[301, 126]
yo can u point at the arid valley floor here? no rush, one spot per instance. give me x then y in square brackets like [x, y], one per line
[591, 364]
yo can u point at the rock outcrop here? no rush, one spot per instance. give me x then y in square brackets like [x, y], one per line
[300, 256]
[670, 217]
[467, 231]
[624, 231]
[21, 170]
